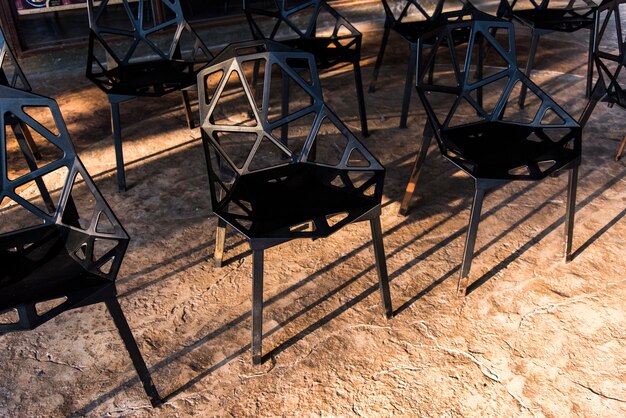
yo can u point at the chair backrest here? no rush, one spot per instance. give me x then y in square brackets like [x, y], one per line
[11, 73]
[297, 19]
[609, 50]
[468, 88]
[282, 121]
[577, 9]
[141, 30]
[405, 11]
[53, 220]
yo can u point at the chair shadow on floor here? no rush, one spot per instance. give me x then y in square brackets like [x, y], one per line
[370, 290]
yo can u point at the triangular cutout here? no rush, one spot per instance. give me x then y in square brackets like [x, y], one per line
[268, 154]
[308, 226]
[295, 133]
[44, 192]
[211, 82]
[550, 117]
[357, 159]
[104, 224]
[43, 115]
[360, 178]
[103, 249]
[464, 114]
[528, 113]
[335, 218]
[81, 205]
[301, 19]
[14, 217]
[286, 96]
[9, 317]
[237, 145]
[330, 144]
[48, 305]
[233, 107]
[254, 71]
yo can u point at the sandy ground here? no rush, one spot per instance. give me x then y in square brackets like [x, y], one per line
[534, 337]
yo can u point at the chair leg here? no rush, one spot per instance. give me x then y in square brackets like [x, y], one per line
[30, 141]
[470, 240]
[187, 107]
[284, 129]
[589, 86]
[257, 306]
[379, 58]
[417, 167]
[117, 138]
[620, 150]
[220, 240]
[529, 67]
[358, 81]
[570, 211]
[381, 265]
[408, 86]
[131, 346]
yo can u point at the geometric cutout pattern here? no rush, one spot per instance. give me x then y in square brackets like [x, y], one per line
[11, 73]
[273, 168]
[479, 127]
[134, 55]
[59, 240]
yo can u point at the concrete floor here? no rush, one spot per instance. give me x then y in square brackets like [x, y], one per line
[534, 337]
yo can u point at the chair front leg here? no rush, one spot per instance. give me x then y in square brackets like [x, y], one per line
[220, 241]
[381, 266]
[257, 306]
[570, 211]
[131, 346]
[470, 240]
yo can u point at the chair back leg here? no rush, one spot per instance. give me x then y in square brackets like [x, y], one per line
[570, 211]
[131, 346]
[358, 81]
[470, 240]
[408, 85]
[381, 266]
[529, 67]
[379, 58]
[620, 150]
[257, 306]
[117, 139]
[187, 107]
[417, 168]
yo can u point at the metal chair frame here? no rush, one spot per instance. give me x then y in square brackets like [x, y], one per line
[269, 205]
[609, 64]
[530, 150]
[412, 32]
[32, 273]
[541, 19]
[342, 45]
[170, 71]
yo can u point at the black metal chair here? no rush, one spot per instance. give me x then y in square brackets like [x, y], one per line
[150, 51]
[411, 19]
[312, 26]
[608, 57]
[272, 191]
[542, 19]
[60, 244]
[479, 129]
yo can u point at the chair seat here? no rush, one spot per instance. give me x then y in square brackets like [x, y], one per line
[44, 270]
[554, 20]
[284, 197]
[495, 150]
[324, 49]
[151, 78]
